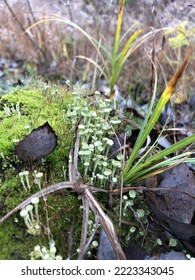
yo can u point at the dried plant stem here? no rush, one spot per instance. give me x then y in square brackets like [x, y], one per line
[45, 191]
[121, 182]
[80, 189]
[84, 227]
[84, 250]
[73, 157]
[32, 15]
[106, 224]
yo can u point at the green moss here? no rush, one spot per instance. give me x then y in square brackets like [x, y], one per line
[64, 215]
[15, 242]
[35, 109]
[30, 108]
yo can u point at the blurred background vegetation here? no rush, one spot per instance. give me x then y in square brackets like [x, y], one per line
[51, 49]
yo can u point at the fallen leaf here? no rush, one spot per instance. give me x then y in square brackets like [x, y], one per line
[38, 144]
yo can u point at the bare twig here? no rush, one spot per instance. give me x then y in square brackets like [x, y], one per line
[84, 227]
[121, 182]
[106, 224]
[73, 157]
[76, 146]
[80, 189]
[83, 252]
[71, 168]
[45, 191]
[32, 15]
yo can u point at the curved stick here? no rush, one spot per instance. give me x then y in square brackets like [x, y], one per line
[45, 191]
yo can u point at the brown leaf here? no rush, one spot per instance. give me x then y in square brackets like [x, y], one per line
[38, 144]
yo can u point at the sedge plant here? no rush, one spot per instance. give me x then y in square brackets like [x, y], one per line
[136, 170]
[112, 61]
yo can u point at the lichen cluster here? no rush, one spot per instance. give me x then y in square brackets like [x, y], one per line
[96, 128]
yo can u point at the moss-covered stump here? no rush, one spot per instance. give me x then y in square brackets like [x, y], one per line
[21, 111]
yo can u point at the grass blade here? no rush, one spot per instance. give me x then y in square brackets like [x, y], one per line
[161, 166]
[159, 156]
[122, 58]
[101, 69]
[157, 111]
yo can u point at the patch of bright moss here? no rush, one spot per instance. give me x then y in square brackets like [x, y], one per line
[34, 110]
[30, 108]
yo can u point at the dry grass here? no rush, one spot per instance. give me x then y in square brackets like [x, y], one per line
[57, 44]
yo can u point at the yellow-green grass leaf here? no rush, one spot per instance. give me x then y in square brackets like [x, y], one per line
[118, 31]
[122, 58]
